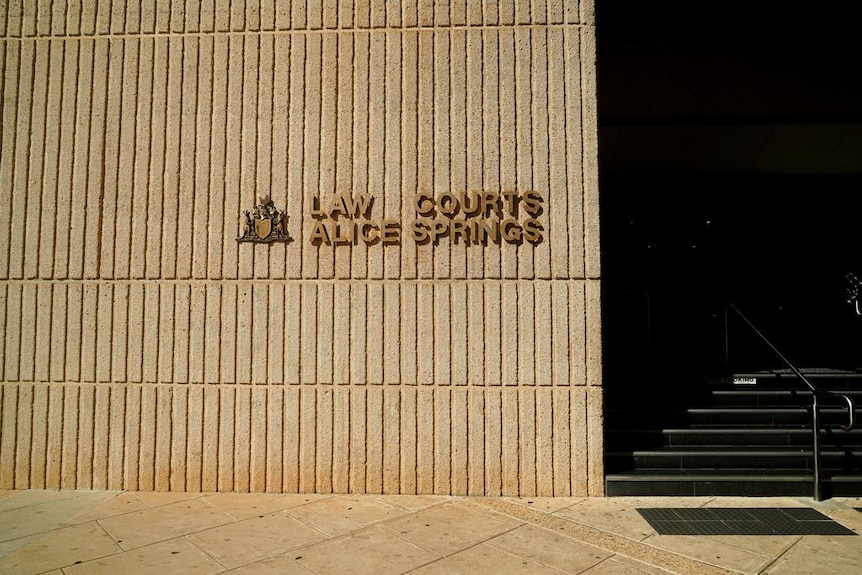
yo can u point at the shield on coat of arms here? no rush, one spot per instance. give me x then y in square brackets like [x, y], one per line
[264, 223]
[263, 227]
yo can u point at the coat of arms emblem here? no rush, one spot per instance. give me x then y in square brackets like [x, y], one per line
[264, 223]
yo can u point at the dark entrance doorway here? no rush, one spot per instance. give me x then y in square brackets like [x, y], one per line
[731, 171]
[678, 248]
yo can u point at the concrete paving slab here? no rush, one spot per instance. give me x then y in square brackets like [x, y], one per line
[40, 512]
[548, 504]
[371, 551]
[60, 548]
[82, 532]
[159, 498]
[175, 556]
[811, 558]
[245, 505]
[7, 547]
[712, 552]
[773, 545]
[746, 502]
[18, 499]
[339, 515]
[250, 540]
[121, 504]
[616, 515]
[549, 548]
[164, 522]
[485, 558]
[451, 527]
[623, 566]
[280, 565]
[412, 502]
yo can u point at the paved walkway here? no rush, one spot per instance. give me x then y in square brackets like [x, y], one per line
[94, 532]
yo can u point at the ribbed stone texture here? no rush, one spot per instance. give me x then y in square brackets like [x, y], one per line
[143, 347]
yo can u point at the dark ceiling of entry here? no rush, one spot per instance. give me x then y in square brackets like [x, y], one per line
[728, 87]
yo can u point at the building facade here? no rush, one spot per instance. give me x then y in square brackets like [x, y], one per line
[415, 307]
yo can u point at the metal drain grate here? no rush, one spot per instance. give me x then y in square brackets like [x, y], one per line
[756, 521]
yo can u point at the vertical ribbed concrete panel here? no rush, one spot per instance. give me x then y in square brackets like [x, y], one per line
[143, 347]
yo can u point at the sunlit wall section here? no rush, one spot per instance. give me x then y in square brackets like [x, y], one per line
[427, 320]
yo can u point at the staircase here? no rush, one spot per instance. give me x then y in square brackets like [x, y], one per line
[729, 439]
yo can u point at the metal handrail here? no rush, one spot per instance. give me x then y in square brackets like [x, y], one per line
[815, 405]
[854, 293]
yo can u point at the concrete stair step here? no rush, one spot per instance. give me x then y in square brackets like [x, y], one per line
[740, 482]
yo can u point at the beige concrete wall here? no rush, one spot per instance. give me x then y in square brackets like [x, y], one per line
[144, 348]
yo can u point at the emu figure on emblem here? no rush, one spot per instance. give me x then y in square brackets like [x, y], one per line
[264, 223]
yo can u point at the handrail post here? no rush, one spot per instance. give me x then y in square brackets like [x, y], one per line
[815, 428]
[815, 406]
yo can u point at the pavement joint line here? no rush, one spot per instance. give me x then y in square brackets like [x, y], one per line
[381, 497]
[503, 548]
[642, 552]
[383, 523]
[766, 568]
[204, 551]
[471, 546]
[215, 507]
[347, 534]
[396, 533]
[450, 500]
